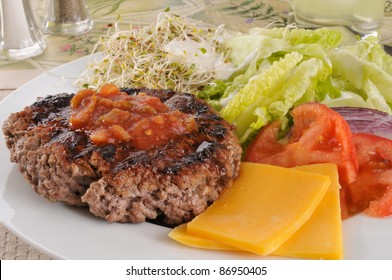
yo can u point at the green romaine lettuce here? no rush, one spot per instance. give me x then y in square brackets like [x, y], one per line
[271, 105]
[282, 67]
[369, 81]
[262, 85]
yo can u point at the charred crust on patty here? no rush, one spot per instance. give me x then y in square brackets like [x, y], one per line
[116, 182]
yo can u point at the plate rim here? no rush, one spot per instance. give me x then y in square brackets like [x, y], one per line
[190, 251]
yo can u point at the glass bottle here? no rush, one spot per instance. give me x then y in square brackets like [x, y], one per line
[67, 17]
[20, 36]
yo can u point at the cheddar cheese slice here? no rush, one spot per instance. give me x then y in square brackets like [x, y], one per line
[321, 236]
[180, 234]
[263, 208]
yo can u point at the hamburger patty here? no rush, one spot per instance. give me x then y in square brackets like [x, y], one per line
[117, 182]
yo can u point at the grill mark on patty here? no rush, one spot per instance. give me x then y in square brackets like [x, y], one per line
[51, 110]
[119, 183]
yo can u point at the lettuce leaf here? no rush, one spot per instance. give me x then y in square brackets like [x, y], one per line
[267, 107]
[245, 47]
[279, 68]
[368, 81]
[326, 37]
[302, 81]
[261, 86]
[370, 50]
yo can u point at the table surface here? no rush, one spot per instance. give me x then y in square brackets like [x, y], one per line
[61, 49]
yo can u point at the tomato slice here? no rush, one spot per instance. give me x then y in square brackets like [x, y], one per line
[372, 191]
[318, 135]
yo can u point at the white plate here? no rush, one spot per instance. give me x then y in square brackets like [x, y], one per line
[66, 232]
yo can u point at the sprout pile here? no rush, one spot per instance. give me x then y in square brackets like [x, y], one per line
[172, 53]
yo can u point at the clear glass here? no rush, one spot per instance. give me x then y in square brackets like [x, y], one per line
[67, 17]
[20, 37]
[362, 16]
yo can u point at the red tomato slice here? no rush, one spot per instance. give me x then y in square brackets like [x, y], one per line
[318, 135]
[373, 188]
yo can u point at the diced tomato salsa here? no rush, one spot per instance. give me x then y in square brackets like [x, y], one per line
[113, 117]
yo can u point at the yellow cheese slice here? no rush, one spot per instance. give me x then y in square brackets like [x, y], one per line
[263, 208]
[321, 236]
[180, 234]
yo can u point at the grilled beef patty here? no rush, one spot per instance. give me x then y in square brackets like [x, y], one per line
[117, 182]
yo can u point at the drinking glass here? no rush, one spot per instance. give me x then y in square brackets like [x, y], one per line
[20, 37]
[361, 16]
